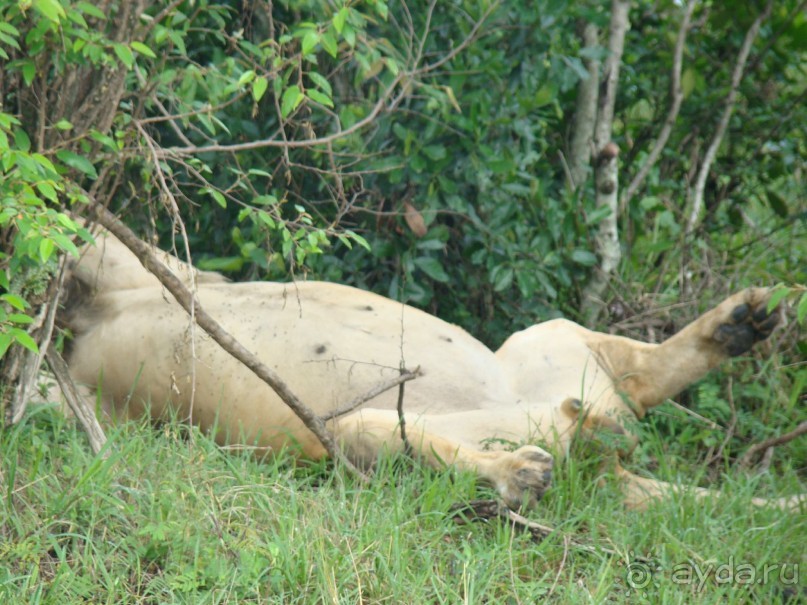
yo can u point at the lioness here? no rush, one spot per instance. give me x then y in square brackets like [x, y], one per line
[332, 343]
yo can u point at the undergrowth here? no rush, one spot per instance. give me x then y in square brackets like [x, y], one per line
[171, 518]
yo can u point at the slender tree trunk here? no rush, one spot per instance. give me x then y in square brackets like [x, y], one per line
[696, 203]
[676, 98]
[585, 115]
[606, 165]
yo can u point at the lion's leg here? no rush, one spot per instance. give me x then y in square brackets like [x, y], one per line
[649, 374]
[521, 477]
[640, 492]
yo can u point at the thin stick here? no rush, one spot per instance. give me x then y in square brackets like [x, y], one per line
[748, 457]
[484, 510]
[77, 403]
[401, 417]
[32, 362]
[710, 423]
[371, 394]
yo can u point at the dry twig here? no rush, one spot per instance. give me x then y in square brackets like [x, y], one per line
[748, 457]
[82, 410]
[381, 387]
[485, 510]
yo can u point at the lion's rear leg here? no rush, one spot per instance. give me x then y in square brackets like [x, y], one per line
[521, 477]
[649, 374]
[641, 492]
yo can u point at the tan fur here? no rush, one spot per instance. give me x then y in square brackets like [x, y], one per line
[332, 343]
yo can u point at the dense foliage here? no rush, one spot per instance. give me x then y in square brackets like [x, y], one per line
[467, 109]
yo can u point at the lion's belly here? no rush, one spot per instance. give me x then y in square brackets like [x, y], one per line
[329, 343]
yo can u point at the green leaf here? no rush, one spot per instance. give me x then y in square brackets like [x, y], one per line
[47, 190]
[15, 301]
[21, 140]
[91, 10]
[778, 294]
[432, 267]
[339, 19]
[350, 35]
[225, 263]
[359, 240]
[143, 49]
[259, 87]
[321, 82]
[266, 219]
[124, 54]
[434, 152]
[45, 249]
[545, 95]
[801, 310]
[329, 43]
[265, 200]
[310, 41]
[50, 9]
[319, 97]
[501, 277]
[246, 77]
[217, 196]
[5, 343]
[688, 81]
[63, 125]
[292, 97]
[584, 257]
[78, 162]
[65, 243]
[28, 72]
[22, 337]
[9, 29]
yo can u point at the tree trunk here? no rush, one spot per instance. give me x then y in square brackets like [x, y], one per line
[606, 166]
[585, 115]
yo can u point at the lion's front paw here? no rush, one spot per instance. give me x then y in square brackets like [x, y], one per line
[747, 323]
[524, 476]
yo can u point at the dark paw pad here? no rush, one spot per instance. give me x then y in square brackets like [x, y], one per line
[746, 326]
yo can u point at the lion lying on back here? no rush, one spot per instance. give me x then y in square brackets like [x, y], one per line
[550, 383]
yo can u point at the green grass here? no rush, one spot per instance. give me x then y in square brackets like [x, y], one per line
[167, 519]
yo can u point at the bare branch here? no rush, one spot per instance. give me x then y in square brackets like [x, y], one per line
[77, 403]
[401, 418]
[381, 387]
[188, 302]
[379, 108]
[482, 510]
[29, 363]
[696, 204]
[388, 102]
[176, 219]
[677, 95]
[748, 457]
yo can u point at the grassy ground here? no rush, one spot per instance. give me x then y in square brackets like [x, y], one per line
[171, 520]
